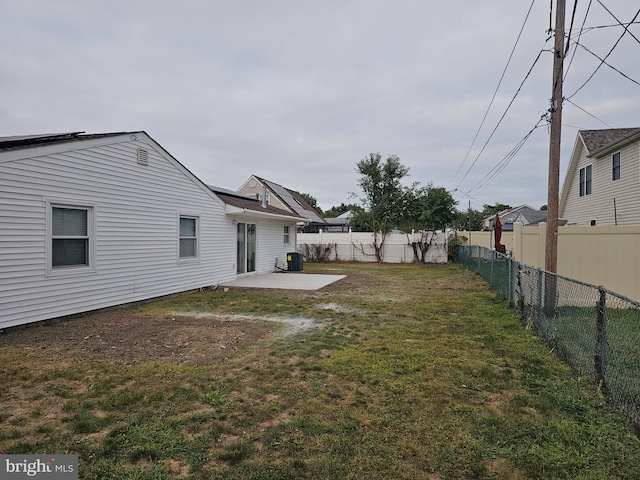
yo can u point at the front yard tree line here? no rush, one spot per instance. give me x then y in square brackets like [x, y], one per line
[388, 205]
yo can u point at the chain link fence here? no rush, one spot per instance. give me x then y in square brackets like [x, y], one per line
[594, 330]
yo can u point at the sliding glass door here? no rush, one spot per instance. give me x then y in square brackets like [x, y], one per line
[246, 255]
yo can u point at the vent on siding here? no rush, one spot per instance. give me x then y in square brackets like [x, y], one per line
[143, 156]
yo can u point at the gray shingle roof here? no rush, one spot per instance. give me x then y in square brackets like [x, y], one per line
[242, 201]
[596, 140]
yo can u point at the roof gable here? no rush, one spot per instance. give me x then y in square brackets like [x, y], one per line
[293, 200]
[532, 217]
[18, 147]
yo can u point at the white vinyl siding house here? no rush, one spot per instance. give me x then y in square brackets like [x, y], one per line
[94, 221]
[85, 225]
[602, 184]
[274, 249]
[268, 246]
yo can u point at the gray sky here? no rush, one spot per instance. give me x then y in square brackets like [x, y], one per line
[299, 91]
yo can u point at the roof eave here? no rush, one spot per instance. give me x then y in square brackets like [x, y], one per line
[239, 212]
[616, 144]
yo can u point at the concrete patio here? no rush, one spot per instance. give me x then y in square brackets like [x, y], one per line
[285, 280]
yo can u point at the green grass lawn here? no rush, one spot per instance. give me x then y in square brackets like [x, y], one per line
[411, 372]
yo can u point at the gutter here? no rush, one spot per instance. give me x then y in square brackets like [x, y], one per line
[616, 145]
[234, 211]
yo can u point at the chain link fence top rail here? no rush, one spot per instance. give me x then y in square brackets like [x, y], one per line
[594, 330]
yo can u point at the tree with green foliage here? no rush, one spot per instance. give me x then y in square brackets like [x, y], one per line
[383, 195]
[426, 210]
[491, 210]
[466, 217]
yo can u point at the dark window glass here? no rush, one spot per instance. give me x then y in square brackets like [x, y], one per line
[70, 240]
[615, 166]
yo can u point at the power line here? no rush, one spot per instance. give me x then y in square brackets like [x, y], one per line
[626, 29]
[598, 27]
[502, 164]
[590, 114]
[501, 118]
[495, 92]
[577, 41]
[603, 61]
[573, 16]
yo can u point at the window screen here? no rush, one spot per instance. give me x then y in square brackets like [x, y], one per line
[70, 239]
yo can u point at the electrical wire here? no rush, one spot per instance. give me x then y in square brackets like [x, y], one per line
[502, 164]
[598, 27]
[501, 118]
[578, 40]
[603, 61]
[573, 17]
[495, 92]
[590, 114]
[619, 22]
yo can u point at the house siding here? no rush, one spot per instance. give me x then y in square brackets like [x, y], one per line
[272, 247]
[136, 215]
[610, 200]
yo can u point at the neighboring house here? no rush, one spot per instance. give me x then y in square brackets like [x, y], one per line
[93, 221]
[602, 185]
[508, 216]
[283, 198]
[530, 219]
[339, 223]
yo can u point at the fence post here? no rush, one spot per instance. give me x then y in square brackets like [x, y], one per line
[510, 285]
[601, 342]
[492, 256]
[541, 297]
[350, 244]
[520, 292]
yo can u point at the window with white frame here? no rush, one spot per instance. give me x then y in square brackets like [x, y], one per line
[70, 236]
[287, 237]
[188, 237]
[585, 181]
[615, 166]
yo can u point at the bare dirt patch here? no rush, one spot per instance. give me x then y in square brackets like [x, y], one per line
[126, 337]
[193, 338]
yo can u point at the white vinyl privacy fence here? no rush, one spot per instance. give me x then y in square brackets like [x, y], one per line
[358, 247]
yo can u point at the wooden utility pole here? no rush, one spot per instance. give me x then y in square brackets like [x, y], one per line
[551, 251]
[551, 254]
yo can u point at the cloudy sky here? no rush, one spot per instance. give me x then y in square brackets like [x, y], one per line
[299, 91]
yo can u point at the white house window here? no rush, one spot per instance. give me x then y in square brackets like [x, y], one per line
[287, 238]
[188, 237]
[585, 181]
[615, 166]
[70, 236]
